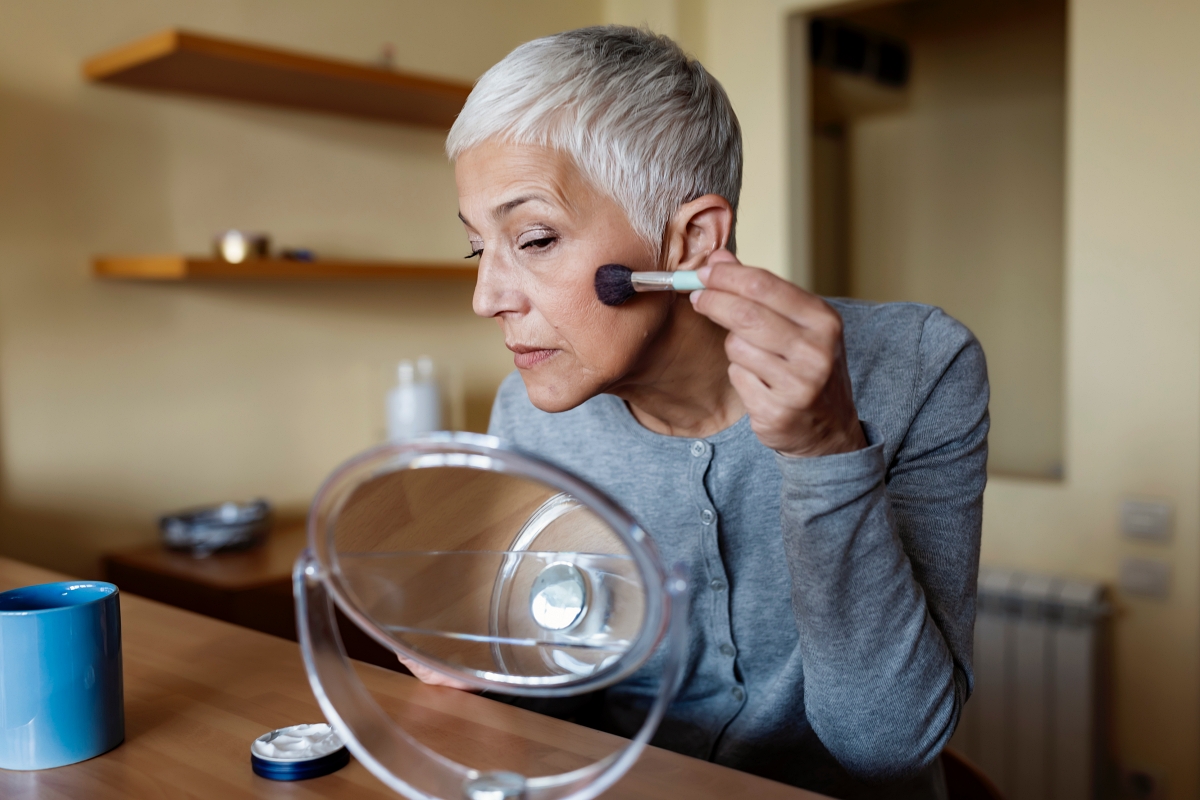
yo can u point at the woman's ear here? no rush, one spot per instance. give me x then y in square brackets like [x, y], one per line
[698, 229]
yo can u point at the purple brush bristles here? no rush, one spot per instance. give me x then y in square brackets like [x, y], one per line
[614, 284]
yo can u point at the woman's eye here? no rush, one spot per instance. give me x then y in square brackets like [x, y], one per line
[539, 244]
[475, 253]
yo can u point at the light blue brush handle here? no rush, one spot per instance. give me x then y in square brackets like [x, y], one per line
[686, 281]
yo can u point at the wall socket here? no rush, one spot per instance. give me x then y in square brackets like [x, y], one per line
[1146, 519]
[1145, 577]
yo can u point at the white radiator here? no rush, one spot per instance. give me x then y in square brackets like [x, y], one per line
[1035, 723]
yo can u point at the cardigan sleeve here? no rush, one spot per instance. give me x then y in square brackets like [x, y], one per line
[883, 559]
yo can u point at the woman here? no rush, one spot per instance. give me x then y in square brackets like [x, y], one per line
[819, 464]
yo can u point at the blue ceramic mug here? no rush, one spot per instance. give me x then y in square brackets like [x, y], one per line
[61, 694]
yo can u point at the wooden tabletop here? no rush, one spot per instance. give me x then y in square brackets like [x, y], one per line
[198, 691]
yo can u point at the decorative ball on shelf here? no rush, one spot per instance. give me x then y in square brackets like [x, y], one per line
[236, 247]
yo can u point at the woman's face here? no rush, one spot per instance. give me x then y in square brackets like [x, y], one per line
[541, 231]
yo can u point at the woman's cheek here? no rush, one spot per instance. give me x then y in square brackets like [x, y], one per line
[602, 343]
[622, 336]
[598, 332]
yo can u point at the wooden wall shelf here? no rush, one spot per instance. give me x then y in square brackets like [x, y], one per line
[184, 268]
[190, 63]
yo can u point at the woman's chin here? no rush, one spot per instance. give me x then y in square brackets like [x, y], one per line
[554, 393]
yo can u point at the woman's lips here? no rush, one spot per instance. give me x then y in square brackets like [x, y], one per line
[528, 357]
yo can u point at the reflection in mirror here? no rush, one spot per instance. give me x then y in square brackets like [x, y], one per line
[487, 572]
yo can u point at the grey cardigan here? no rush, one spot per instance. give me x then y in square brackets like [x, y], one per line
[833, 598]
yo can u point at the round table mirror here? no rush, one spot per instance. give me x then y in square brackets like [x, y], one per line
[490, 567]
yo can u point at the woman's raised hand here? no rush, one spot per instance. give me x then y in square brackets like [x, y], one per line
[787, 359]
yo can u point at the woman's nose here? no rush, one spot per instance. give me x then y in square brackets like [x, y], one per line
[496, 290]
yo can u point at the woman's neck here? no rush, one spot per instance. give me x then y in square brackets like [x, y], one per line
[682, 388]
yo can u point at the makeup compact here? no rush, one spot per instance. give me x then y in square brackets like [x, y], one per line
[298, 752]
[494, 568]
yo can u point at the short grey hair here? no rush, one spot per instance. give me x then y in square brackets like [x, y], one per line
[645, 123]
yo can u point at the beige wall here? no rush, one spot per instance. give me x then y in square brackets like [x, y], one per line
[957, 201]
[685, 21]
[120, 401]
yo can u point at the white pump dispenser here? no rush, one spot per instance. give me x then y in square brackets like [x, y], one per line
[414, 406]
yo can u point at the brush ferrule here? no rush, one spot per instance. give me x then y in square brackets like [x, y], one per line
[682, 281]
[652, 282]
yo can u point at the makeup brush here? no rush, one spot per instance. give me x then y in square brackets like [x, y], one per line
[615, 283]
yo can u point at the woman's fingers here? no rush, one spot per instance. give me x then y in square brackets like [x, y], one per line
[793, 380]
[748, 385]
[434, 678]
[787, 358]
[764, 309]
[725, 273]
[752, 321]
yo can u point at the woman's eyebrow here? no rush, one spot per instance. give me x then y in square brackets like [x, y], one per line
[505, 208]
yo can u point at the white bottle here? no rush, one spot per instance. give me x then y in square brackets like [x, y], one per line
[414, 407]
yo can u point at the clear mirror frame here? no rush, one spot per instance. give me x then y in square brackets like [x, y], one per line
[561, 594]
